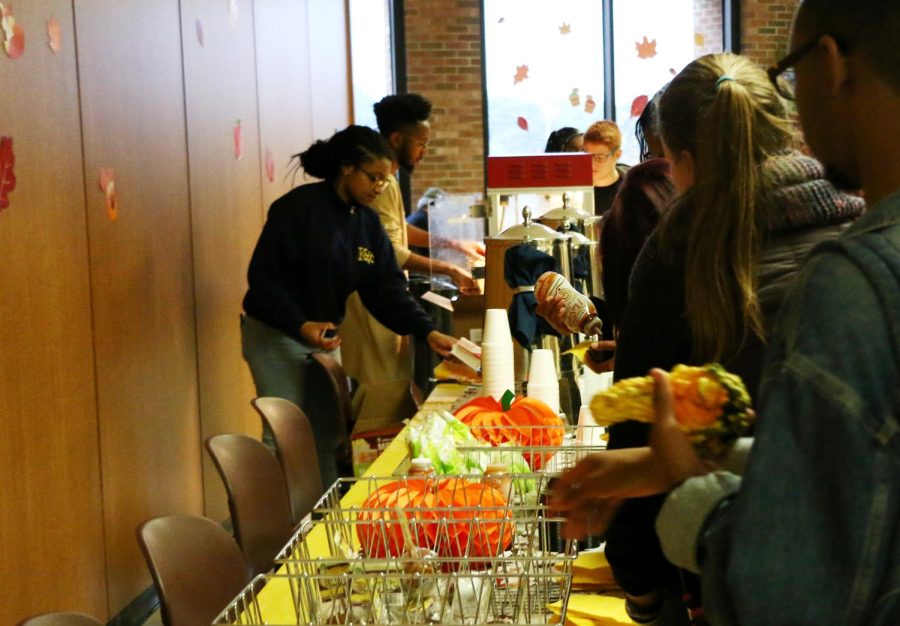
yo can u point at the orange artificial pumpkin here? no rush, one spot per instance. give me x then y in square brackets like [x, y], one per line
[379, 530]
[478, 522]
[526, 422]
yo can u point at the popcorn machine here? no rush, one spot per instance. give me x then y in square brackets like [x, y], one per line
[530, 186]
[538, 181]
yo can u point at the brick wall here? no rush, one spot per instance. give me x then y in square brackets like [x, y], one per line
[765, 28]
[707, 26]
[443, 41]
[443, 60]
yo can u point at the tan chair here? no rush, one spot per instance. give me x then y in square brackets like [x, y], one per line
[295, 446]
[61, 619]
[340, 391]
[257, 497]
[197, 567]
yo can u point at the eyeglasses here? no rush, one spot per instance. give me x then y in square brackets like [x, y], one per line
[602, 158]
[782, 75]
[378, 182]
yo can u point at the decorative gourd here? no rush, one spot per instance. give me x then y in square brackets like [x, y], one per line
[526, 422]
[478, 522]
[379, 530]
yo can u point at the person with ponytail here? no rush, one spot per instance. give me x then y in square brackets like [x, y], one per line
[708, 283]
[320, 243]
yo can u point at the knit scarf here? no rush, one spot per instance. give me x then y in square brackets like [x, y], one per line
[801, 196]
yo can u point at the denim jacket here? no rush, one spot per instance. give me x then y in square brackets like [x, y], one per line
[811, 533]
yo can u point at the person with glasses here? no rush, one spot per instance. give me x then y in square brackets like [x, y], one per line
[709, 282]
[320, 243]
[374, 355]
[603, 141]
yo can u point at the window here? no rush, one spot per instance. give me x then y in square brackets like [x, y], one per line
[371, 57]
[549, 65]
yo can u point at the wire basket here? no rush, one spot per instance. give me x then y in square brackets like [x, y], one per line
[490, 562]
[474, 518]
[391, 593]
[547, 449]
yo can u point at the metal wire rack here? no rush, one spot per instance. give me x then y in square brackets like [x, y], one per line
[425, 561]
[548, 449]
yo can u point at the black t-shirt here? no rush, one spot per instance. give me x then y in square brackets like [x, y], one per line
[604, 196]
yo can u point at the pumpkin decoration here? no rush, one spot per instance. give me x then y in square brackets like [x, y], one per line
[479, 520]
[522, 421]
[380, 531]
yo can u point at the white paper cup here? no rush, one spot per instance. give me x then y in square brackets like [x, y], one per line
[543, 369]
[496, 327]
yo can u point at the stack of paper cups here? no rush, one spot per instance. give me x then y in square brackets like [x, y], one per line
[497, 366]
[543, 383]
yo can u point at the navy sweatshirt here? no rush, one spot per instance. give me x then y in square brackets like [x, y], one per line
[314, 251]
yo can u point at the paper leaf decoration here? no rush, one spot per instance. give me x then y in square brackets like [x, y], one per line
[699, 39]
[637, 105]
[108, 187]
[270, 166]
[574, 98]
[198, 26]
[522, 123]
[589, 104]
[645, 49]
[565, 29]
[53, 36]
[238, 144]
[521, 74]
[13, 35]
[7, 173]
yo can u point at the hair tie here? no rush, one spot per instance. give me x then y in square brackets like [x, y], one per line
[723, 78]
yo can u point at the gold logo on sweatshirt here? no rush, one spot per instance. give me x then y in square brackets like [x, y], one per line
[365, 255]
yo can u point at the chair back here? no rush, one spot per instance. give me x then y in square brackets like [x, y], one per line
[61, 619]
[257, 497]
[340, 390]
[197, 567]
[296, 449]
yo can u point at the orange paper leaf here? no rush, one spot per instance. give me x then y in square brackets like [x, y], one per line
[521, 74]
[565, 29]
[53, 35]
[13, 35]
[108, 187]
[646, 49]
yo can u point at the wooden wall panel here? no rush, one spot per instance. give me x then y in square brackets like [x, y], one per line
[220, 88]
[141, 274]
[285, 101]
[50, 499]
[329, 67]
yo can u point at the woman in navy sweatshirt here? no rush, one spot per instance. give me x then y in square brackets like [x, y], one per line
[321, 242]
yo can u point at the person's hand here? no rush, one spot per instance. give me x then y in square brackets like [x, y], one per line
[320, 334]
[604, 345]
[671, 447]
[440, 343]
[464, 280]
[474, 250]
[589, 494]
[553, 310]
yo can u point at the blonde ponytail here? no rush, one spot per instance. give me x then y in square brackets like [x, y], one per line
[722, 110]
